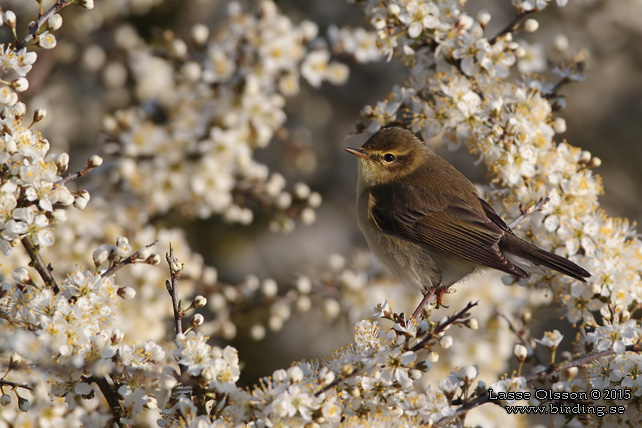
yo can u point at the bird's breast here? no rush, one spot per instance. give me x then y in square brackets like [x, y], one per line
[408, 262]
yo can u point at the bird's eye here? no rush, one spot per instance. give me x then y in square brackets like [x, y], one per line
[389, 157]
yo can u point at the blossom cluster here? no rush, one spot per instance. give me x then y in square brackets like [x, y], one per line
[219, 104]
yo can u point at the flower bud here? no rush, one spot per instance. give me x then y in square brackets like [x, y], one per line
[21, 275]
[304, 285]
[301, 191]
[200, 34]
[314, 200]
[595, 162]
[394, 9]
[199, 301]
[94, 161]
[295, 374]
[520, 352]
[531, 25]
[559, 125]
[39, 114]
[303, 304]
[82, 199]
[122, 246]
[117, 336]
[144, 253]
[15, 359]
[257, 332]
[472, 323]
[415, 374]
[308, 216]
[561, 43]
[469, 374]
[483, 17]
[331, 308]
[269, 288]
[446, 342]
[100, 255]
[24, 404]
[55, 22]
[9, 18]
[20, 85]
[62, 160]
[126, 293]
[197, 320]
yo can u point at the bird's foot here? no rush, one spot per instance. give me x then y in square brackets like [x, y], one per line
[439, 294]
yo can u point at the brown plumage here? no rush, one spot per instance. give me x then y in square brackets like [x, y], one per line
[425, 221]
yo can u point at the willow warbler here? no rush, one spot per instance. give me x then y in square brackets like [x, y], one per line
[426, 223]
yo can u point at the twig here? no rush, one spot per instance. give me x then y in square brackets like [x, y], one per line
[37, 263]
[112, 399]
[66, 179]
[482, 399]
[175, 270]
[512, 26]
[525, 212]
[337, 381]
[42, 20]
[451, 319]
[15, 384]
[553, 92]
[520, 336]
[129, 260]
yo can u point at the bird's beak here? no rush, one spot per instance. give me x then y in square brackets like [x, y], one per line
[357, 152]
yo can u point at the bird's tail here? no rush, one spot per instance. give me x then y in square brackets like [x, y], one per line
[523, 252]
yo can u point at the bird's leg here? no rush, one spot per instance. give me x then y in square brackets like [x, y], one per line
[424, 301]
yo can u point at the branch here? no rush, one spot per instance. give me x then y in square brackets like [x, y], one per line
[127, 261]
[175, 270]
[441, 327]
[112, 399]
[66, 179]
[60, 4]
[512, 26]
[540, 375]
[37, 263]
[15, 384]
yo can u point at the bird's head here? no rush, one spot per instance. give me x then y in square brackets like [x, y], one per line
[390, 154]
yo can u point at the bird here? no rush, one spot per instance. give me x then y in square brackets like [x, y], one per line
[424, 220]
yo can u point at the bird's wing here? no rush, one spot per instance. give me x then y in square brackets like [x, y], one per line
[459, 230]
